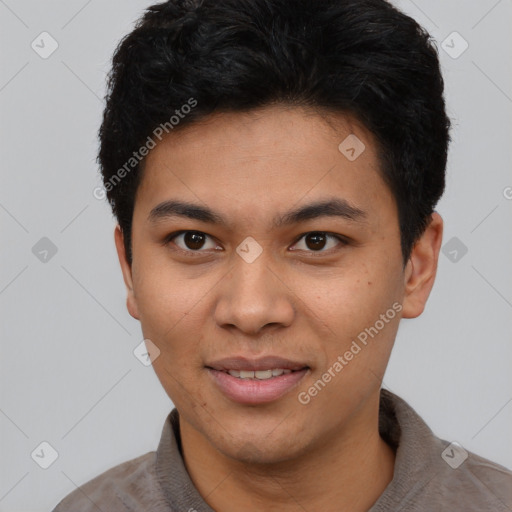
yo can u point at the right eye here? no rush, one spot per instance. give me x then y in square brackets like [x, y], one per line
[191, 241]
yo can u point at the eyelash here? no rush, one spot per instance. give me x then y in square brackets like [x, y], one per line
[344, 241]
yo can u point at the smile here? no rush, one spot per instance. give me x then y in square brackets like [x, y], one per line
[259, 374]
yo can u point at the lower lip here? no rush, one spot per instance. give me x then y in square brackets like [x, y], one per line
[254, 391]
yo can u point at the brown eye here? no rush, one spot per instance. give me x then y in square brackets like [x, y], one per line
[319, 241]
[315, 241]
[192, 241]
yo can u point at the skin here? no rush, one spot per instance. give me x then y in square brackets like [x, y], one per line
[296, 300]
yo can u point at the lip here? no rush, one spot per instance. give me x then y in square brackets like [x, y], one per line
[255, 391]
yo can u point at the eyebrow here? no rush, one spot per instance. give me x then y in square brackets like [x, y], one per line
[326, 208]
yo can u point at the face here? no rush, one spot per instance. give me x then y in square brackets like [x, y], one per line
[259, 286]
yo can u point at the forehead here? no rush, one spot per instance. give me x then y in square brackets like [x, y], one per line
[274, 129]
[266, 159]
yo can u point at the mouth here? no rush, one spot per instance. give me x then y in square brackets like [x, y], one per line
[259, 381]
[259, 374]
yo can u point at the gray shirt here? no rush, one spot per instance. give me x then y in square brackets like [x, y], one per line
[430, 474]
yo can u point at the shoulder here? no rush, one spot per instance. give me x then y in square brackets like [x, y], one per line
[477, 482]
[127, 486]
[457, 479]
[432, 474]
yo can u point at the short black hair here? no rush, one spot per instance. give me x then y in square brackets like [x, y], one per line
[186, 59]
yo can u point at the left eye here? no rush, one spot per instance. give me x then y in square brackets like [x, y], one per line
[318, 241]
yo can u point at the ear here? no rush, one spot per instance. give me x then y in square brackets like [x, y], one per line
[131, 302]
[420, 271]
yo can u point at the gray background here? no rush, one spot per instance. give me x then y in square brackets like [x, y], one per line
[68, 373]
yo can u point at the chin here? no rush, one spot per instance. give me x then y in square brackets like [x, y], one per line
[261, 449]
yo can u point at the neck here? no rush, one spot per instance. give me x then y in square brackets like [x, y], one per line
[347, 471]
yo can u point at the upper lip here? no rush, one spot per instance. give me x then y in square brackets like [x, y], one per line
[249, 364]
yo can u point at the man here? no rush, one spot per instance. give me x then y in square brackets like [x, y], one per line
[274, 166]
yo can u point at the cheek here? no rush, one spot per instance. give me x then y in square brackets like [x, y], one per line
[171, 311]
[351, 298]
[348, 311]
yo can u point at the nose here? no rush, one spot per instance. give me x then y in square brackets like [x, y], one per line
[253, 297]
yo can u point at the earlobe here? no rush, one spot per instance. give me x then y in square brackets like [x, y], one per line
[420, 271]
[126, 269]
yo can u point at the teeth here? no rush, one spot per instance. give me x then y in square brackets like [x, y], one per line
[259, 374]
[263, 374]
